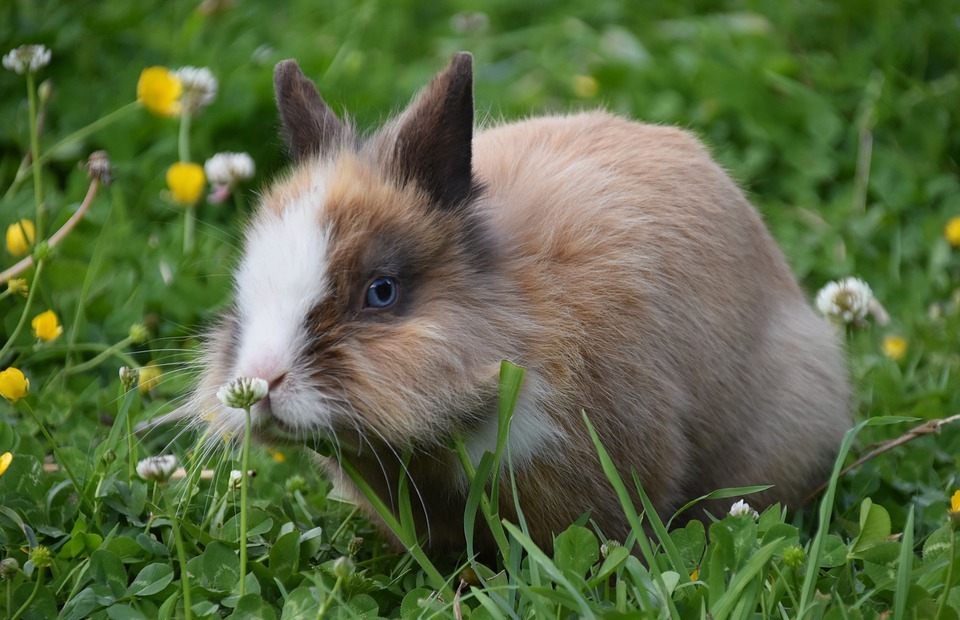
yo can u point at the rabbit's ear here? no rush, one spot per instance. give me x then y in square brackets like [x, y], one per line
[433, 145]
[309, 125]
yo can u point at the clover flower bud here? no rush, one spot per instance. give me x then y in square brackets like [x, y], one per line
[295, 484]
[108, 457]
[41, 556]
[794, 556]
[157, 468]
[236, 479]
[27, 59]
[609, 546]
[355, 545]
[138, 333]
[128, 377]
[13, 385]
[243, 392]
[954, 511]
[9, 568]
[742, 509]
[343, 567]
[149, 378]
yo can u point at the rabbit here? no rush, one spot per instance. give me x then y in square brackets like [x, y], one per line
[384, 278]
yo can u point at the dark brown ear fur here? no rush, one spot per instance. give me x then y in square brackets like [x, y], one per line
[434, 140]
[309, 126]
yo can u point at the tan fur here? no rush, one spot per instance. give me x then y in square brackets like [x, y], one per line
[622, 268]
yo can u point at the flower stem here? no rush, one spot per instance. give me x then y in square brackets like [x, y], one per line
[183, 139]
[35, 152]
[189, 224]
[942, 605]
[329, 599]
[24, 313]
[99, 358]
[33, 595]
[244, 483]
[182, 558]
[56, 452]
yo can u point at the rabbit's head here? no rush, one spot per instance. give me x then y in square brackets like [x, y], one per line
[368, 294]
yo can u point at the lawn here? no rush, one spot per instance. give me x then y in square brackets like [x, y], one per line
[841, 121]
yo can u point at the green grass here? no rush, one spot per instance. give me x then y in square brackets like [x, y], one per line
[840, 119]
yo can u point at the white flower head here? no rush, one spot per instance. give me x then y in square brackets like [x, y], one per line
[243, 392]
[236, 478]
[229, 169]
[27, 59]
[157, 468]
[742, 509]
[846, 301]
[199, 88]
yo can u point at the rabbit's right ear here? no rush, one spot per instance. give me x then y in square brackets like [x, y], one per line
[309, 126]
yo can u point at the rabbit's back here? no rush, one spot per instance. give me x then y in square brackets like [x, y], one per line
[675, 321]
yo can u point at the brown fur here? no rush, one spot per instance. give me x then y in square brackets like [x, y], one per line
[614, 260]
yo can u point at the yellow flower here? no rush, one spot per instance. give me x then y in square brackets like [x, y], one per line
[279, 457]
[159, 90]
[895, 347]
[20, 237]
[955, 503]
[585, 86]
[13, 385]
[5, 460]
[46, 326]
[185, 181]
[695, 574]
[149, 378]
[952, 231]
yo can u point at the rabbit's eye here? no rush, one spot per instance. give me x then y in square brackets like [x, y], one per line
[382, 293]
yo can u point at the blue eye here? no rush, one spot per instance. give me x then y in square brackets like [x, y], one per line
[382, 293]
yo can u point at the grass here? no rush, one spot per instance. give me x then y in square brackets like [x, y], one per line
[840, 120]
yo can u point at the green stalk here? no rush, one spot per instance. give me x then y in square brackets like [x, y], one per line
[56, 451]
[26, 310]
[33, 595]
[244, 483]
[101, 357]
[183, 151]
[329, 599]
[942, 605]
[490, 516]
[76, 136]
[182, 558]
[35, 151]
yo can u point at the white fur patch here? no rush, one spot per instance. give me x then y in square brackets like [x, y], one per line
[281, 278]
[532, 432]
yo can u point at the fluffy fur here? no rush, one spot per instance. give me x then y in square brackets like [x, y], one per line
[614, 260]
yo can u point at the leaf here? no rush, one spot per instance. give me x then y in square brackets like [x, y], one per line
[220, 567]
[107, 569]
[122, 611]
[253, 607]
[152, 579]
[575, 550]
[285, 555]
[834, 552]
[874, 527]
[301, 603]
[80, 606]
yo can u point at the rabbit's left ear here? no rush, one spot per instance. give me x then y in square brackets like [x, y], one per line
[309, 125]
[434, 139]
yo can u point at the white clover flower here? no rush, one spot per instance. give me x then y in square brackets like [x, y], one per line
[225, 171]
[27, 59]
[743, 509]
[199, 88]
[846, 301]
[243, 392]
[236, 478]
[157, 468]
